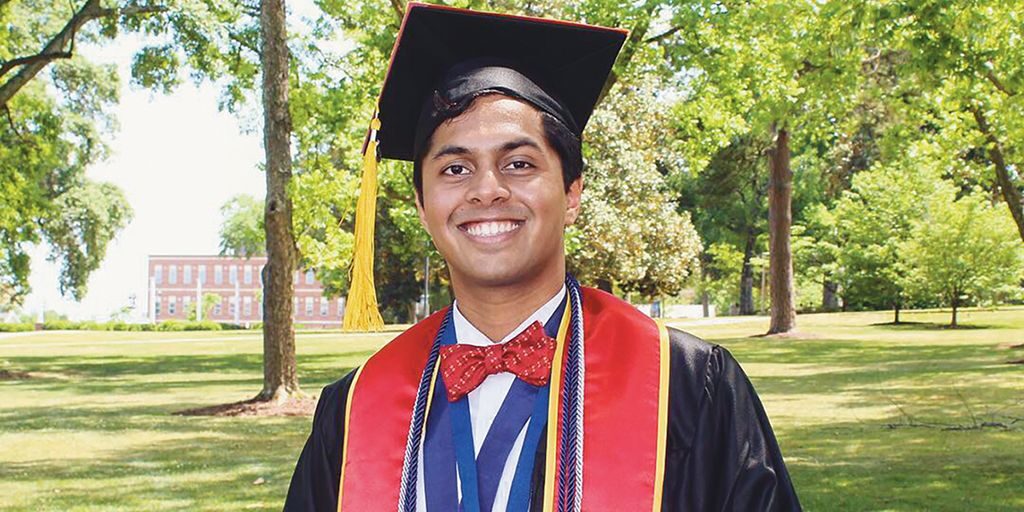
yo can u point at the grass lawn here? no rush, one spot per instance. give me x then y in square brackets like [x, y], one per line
[869, 416]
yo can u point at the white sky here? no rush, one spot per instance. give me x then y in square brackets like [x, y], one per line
[178, 159]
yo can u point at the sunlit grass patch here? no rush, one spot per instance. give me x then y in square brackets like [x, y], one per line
[870, 416]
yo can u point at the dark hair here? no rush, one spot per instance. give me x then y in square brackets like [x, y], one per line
[566, 144]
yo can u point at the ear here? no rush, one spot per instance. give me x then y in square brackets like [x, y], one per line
[422, 214]
[572, 201]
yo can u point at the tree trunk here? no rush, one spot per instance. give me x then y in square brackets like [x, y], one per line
[780, 196]
[1011, 194]
[896, 312]
[747, 276]
[955, 302]
[829, 296]
[279, 375]
[705, 302]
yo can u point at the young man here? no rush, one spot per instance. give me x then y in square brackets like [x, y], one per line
[529, 392]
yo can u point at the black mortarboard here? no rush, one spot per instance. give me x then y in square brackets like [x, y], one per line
[557, 66]
[453, 55]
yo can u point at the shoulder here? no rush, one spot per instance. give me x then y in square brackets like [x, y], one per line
[330, 407]
[691, 366]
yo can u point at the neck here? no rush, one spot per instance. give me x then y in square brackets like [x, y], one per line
[496, 310]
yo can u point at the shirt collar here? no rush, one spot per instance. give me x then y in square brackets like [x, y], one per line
[468, 334]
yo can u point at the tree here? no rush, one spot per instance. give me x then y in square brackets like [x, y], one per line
[771, 69]
[280, 379]
[210, 300]
[963, 249]
[873, 222]
[727, 199]
[52, 131]
[972, 67]
[60, 45]
[629, 231]
[242, 232]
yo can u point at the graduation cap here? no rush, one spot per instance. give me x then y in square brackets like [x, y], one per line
[453, 54]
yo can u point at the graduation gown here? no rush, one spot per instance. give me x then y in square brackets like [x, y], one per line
[721, 452]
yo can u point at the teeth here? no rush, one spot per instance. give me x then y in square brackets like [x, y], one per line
[491, 228]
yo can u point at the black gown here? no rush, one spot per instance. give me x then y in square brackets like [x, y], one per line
[721, 453]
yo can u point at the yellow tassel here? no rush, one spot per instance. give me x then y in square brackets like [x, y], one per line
[361, 313]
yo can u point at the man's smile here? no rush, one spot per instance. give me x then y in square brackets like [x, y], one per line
[490, 229]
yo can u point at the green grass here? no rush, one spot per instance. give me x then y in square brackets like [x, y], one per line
[869, 416]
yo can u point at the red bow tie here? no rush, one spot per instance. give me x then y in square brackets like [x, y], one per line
[528, 355]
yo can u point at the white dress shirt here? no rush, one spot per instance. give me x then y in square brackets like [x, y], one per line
[485, 400]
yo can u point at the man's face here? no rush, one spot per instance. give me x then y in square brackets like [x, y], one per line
[494, 201]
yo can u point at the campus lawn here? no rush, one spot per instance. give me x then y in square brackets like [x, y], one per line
[870, 416]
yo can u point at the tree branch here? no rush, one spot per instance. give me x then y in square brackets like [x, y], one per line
[999, 84]
[243, 43]
[1011, 194]
[8, 65]
[663, 35]
[55, 48]
[399, 8]
[636, 39]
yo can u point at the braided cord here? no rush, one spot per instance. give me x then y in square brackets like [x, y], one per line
[577, 325]
[570, 457]
[410, 468]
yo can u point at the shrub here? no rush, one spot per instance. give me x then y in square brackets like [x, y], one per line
[17, 327]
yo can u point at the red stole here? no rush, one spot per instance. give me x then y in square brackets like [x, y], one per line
[624, 421]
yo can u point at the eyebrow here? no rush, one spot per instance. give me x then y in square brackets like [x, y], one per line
[506, 147]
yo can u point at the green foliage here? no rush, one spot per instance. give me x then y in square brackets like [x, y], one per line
[52, 130]
[963, 250]
[181, 325]
[629, 231]
[210, 300]
[241, 231]
[720, 278]
[17, 327]
[873, 221]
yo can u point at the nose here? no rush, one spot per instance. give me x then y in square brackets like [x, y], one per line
[487, 187]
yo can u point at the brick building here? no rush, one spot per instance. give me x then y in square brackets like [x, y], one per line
[178, 283]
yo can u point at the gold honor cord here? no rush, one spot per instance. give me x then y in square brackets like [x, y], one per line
[659, 470]
[344, 442]
[554, 399]
[361, 313]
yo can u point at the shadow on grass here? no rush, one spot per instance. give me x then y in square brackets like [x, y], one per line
[205, 471]
[869, 466]
[930, 326]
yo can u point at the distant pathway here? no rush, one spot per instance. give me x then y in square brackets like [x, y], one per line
[254, 337]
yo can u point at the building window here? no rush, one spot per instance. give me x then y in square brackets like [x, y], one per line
[156, 307]
[341, 306]
[325, 304]
[202, 274]
[172, 274]
[185, 302]
[247, 306]
[309, 276]
[295, 305]
[233, 274]
[259, 307]
[187, 278]
[158, 274]
[295, 277]
[218, 274]
[171, 303]
[216, 306]
[247, 276]
[309, 306]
